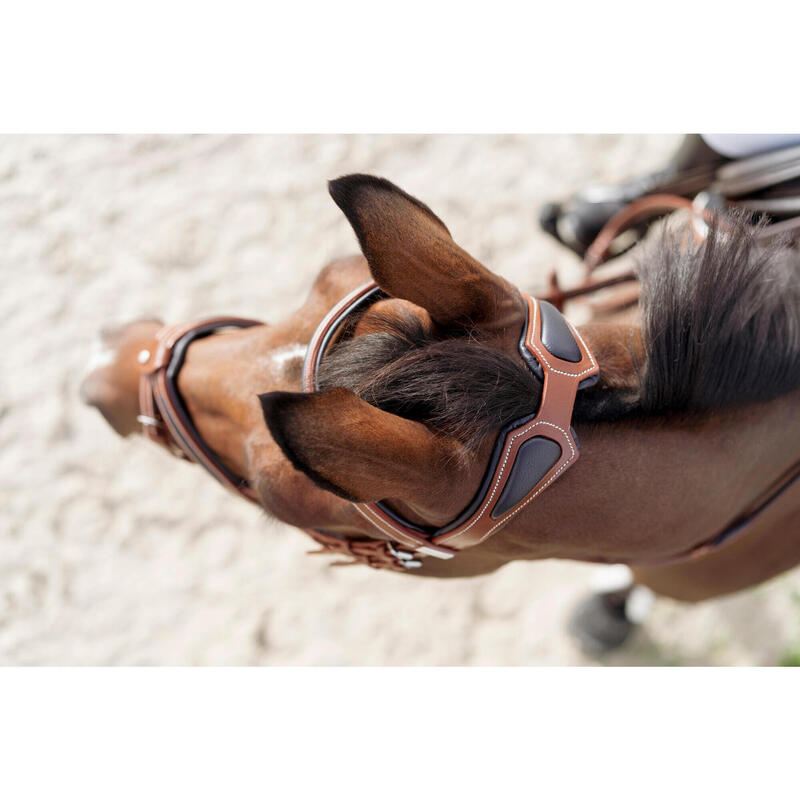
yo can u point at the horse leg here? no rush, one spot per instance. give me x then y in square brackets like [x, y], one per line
[604, 620]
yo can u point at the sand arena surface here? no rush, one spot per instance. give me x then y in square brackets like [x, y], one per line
[111, 552]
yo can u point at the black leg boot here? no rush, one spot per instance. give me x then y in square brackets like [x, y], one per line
[576, 222]
[599, 622]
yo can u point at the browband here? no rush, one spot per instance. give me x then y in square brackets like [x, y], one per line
[530, 453]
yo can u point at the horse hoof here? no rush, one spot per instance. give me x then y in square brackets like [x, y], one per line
[599, 624]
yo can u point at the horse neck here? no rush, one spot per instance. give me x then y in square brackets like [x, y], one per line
[649, 489]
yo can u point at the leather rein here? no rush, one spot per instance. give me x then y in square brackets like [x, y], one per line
[529, 454]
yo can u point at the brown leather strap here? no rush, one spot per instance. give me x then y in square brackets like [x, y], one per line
[639, 210]
[163, 417]
[370, 552]
[327, 330]
[646, 207]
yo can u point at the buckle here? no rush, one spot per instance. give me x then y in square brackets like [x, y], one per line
[405, 558]
[436, 553]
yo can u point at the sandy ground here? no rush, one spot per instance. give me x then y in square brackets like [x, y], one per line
[112, 553]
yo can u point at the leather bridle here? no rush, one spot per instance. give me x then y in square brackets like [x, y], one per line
[529, 454]
[166, 421]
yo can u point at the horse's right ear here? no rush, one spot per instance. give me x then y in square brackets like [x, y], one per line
[412, 256]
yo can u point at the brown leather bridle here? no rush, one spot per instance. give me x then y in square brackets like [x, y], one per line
[529, 454]
[162, 413]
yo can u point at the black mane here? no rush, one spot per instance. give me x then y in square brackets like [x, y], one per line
[721, 325]
[721, 320]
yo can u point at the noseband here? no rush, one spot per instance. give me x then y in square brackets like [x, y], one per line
[163, 414]
[530, 453]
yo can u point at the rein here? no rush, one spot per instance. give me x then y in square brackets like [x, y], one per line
[529, 454]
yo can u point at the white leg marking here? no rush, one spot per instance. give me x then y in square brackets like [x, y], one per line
[638, 604]
[611, 578]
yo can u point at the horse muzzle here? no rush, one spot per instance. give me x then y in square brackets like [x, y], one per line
[111, 379]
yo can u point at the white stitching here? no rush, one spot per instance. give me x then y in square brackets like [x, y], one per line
[387, 527]
[502, 470]
[367, 512]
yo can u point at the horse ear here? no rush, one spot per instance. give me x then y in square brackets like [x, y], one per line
[412, 256]
[353, 449]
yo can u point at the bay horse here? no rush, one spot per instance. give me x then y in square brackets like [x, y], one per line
[689, 436]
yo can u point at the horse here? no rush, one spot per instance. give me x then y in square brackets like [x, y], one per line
[688, 436]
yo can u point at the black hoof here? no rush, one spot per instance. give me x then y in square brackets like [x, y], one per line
[599, 624]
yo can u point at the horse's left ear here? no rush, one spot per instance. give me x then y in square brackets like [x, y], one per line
[412, 256]
[353, 449]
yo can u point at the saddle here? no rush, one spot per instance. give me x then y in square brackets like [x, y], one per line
[766, 186]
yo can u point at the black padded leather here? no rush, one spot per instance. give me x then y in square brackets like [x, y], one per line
[486, 484]
[528, 357]
[534, 459]
[556, 335]
[480, 495]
